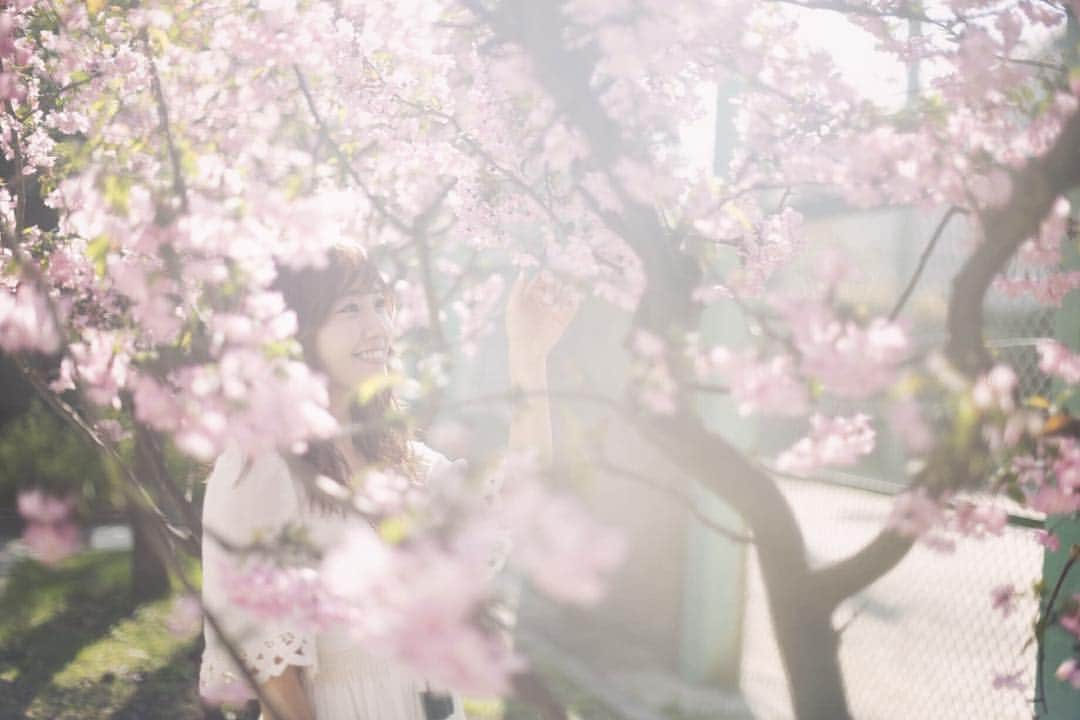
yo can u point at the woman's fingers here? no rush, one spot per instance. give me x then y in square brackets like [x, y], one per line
[545, 293]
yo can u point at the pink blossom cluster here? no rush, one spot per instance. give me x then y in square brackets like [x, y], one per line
[1048, 288]
[656, 390]
[218, 140]
[26, 322]
[995, 390]
[1045, 248]
[13, 50]
[849, 359]
[1050, 478]
[417, 599]
[832, 441]
[765, 386]
[557, 545]
[271, 590]
[417, 604]
[938, 520]
[907, 421]
[762, 242]
[51, 533]
[1069, 670]
[205, 407]
[1055, 358]
[1003, 599]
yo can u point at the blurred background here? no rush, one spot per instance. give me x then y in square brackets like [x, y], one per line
[684, 631]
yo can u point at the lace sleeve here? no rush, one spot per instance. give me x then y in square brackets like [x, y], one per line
[245, 499]
[265, 655]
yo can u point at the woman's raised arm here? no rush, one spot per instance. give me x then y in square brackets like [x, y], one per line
[537, 314]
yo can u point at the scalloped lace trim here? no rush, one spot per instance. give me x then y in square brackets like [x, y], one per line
[265, 658]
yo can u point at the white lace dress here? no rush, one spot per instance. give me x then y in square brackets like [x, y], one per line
[342, 680]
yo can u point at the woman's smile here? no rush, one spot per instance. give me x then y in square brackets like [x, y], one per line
[372, 355]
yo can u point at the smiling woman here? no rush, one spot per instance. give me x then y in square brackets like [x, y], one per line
[344, 316]
[344, 325]
[354, 341]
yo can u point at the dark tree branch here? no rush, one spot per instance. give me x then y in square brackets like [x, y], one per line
[531, 688]
[1005, 228]
[805, 634]
[848, 8]
[923, 259]
[179, 183]
[855, 573]
[1042, 625]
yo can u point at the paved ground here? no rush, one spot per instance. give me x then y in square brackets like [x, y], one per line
[926, 642]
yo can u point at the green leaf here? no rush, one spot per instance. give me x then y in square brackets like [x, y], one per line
[375, 385]
[395, 530]
[1038, 401]
[117, 190]
[98, 252]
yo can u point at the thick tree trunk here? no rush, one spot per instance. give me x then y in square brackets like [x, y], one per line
[149, 574]
[800, 609]
[149, 577]
[809, 648]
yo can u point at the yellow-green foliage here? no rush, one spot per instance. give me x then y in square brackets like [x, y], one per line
[71, 647]
[38, 449]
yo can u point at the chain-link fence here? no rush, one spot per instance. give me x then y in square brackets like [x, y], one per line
[924, 641]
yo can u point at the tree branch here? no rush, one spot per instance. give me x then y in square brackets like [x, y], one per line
[855, 573]
[923, 259]
[179, 184]
[377, 202]
[1036, 186]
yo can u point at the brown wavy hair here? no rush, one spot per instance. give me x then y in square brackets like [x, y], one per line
[311, 292]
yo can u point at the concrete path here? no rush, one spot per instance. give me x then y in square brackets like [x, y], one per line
[926, 642]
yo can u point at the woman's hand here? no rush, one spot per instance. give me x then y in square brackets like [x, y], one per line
[537, 314]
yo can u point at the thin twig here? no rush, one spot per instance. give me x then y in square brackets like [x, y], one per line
[923, 260]
[376, 201]
[681, 497]
[1043, 623]
[179, 184]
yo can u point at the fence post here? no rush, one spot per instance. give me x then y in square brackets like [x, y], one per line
[1061, 700]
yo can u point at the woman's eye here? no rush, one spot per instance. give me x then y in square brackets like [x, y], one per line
[381, 304]
[349, 308]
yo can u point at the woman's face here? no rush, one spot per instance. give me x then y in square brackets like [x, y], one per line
[354, 342]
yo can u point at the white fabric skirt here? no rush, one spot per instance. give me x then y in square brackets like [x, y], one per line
[351, 684]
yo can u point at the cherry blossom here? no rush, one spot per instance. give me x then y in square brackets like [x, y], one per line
[25, 321]
[1003, 599]
[1069, 671]
[1048, 540]
[849, 360]
[1010, 681]
[995, 389]
[768, 386]
[833, 441]
[189, 149]
[907, 421]
[1056, 359]
[50, 534]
